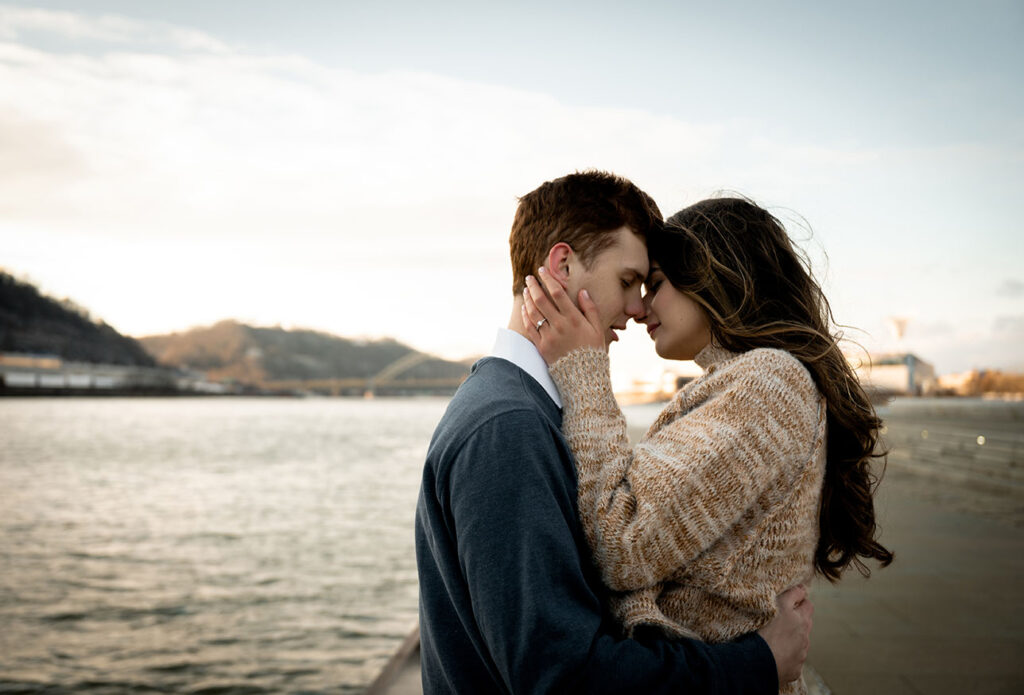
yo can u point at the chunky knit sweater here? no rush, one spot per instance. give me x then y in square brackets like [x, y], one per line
[715, 511]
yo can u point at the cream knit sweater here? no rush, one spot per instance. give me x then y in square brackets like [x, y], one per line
[715, 512]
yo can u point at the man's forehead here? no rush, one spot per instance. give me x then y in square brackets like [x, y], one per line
[629, 252]
[634, 260]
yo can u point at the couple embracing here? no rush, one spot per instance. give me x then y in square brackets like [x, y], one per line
[556, 557]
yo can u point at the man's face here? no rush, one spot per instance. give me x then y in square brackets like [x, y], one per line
[614, 281]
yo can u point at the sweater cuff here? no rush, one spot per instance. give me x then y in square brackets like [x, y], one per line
[583, 377]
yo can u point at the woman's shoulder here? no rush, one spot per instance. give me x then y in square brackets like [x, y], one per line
[771, 367]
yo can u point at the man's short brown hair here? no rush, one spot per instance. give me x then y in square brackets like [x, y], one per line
[580, 209]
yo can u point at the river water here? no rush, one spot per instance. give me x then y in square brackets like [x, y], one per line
[213, 546]
[206, 545]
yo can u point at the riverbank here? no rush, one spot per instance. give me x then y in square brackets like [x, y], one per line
[944, 619]
[947, 616]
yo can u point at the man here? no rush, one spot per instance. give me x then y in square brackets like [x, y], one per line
[509, 599]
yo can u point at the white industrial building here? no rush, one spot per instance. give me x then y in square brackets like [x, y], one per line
[901, 373]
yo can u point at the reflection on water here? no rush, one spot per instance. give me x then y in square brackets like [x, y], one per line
[206, 545]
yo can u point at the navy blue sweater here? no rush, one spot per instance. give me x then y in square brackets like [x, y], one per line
[509, 599]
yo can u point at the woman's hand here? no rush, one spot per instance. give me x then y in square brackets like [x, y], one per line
[554, 324]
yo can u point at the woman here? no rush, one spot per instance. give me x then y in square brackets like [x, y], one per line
[757, 473]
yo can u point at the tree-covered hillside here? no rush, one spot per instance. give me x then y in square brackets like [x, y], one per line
[31, 322]
[252, 355]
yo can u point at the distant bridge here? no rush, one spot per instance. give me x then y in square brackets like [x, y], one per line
[385, 379]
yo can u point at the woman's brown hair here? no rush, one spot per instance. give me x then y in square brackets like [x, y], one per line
[736, 260]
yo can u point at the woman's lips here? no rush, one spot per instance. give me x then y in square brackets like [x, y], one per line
[651, 327]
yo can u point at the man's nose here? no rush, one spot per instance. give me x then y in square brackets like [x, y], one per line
[646, 310]
[637, 308]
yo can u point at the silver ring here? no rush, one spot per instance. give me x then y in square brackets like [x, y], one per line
[540, 323]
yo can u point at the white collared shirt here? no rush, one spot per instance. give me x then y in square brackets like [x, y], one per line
[517, 349]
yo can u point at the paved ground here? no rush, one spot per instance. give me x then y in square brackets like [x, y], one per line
[947, 616]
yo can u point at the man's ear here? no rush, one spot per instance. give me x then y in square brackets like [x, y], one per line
[560, 257]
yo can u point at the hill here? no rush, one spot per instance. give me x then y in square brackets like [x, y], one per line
[229, 350]
[31, 322]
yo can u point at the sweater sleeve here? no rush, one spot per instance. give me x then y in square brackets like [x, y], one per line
[650, 511]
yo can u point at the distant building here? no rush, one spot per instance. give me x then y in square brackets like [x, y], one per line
[654, 388]
[26, 374]
[962, 384]
[984, 382]
[902, 374]
[10, 361]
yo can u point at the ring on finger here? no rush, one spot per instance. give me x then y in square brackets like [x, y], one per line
[540, 323]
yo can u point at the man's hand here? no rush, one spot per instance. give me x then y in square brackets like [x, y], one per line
[789, 633]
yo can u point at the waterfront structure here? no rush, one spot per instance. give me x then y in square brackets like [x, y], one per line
[23, 374]
[41, 374]
[902, 373]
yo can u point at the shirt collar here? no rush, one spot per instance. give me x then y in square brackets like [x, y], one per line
[517, 349]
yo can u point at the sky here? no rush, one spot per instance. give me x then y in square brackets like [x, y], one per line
[354, 167]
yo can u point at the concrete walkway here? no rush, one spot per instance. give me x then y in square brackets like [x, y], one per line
[947, 616]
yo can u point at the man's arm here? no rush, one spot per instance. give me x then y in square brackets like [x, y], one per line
[513, 513]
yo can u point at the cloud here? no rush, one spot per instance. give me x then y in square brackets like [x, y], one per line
[931, 329]
[36, 156]
[144, 155]
[19, 23]
[264, 140]
[229, 183]
[1011, 325]
[1011, 288]
[16, 22]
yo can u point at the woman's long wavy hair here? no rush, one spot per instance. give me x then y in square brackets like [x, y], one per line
[736, 260]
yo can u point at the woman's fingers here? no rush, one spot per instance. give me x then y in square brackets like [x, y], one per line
[531, 311]
[589, 309]
[556, 290]
[530, 327]
[554, 323]
[543, 307]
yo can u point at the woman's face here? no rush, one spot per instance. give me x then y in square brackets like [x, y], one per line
[678, 325]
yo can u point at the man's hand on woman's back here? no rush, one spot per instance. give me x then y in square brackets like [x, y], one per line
[789, 633]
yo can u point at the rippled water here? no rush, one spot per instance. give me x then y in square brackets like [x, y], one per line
[206, 545]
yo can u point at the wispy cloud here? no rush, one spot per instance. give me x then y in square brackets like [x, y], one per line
[1010, 325]
[18, 23]
[248, 172]
[1011, 288]
[279, 187]
[266, 137]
